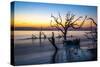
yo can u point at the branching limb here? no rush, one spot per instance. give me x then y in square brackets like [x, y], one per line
[92, 21]
[56, 26]
[79, 26]
[58, 22]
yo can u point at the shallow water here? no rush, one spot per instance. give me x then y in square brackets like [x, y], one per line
[34, 51]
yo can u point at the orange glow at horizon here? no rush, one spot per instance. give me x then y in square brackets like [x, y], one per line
[38, 21]
[37, 24]
[31, 21]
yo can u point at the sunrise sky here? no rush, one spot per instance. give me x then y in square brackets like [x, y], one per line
[28, 14]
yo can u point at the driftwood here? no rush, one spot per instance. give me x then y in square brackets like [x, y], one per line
[52, 41]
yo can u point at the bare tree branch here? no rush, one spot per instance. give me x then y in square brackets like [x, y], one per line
[93, 21]
[57, 26]
[76, 20]
[67, 24]
[60, 18]
[79, 25]
[56, 20]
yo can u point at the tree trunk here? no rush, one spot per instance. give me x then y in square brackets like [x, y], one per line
[52, 40]
[65, 37]
[40, 37]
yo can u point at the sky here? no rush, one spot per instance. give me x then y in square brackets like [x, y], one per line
[33, 14]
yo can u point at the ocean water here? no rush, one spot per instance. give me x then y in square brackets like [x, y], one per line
[36, 51]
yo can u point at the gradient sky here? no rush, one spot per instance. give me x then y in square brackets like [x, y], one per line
[32, 14]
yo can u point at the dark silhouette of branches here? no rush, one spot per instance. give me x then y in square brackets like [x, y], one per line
[70, 22]
[93, 21]
[52, 41]
[93, 33]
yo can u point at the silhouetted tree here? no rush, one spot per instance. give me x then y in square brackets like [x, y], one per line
[52, 41]
[70, 22]
[93, 33]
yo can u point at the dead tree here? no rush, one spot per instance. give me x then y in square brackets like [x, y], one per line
[52, 41]
[93, 37]
[93, 32]
[70, 22]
